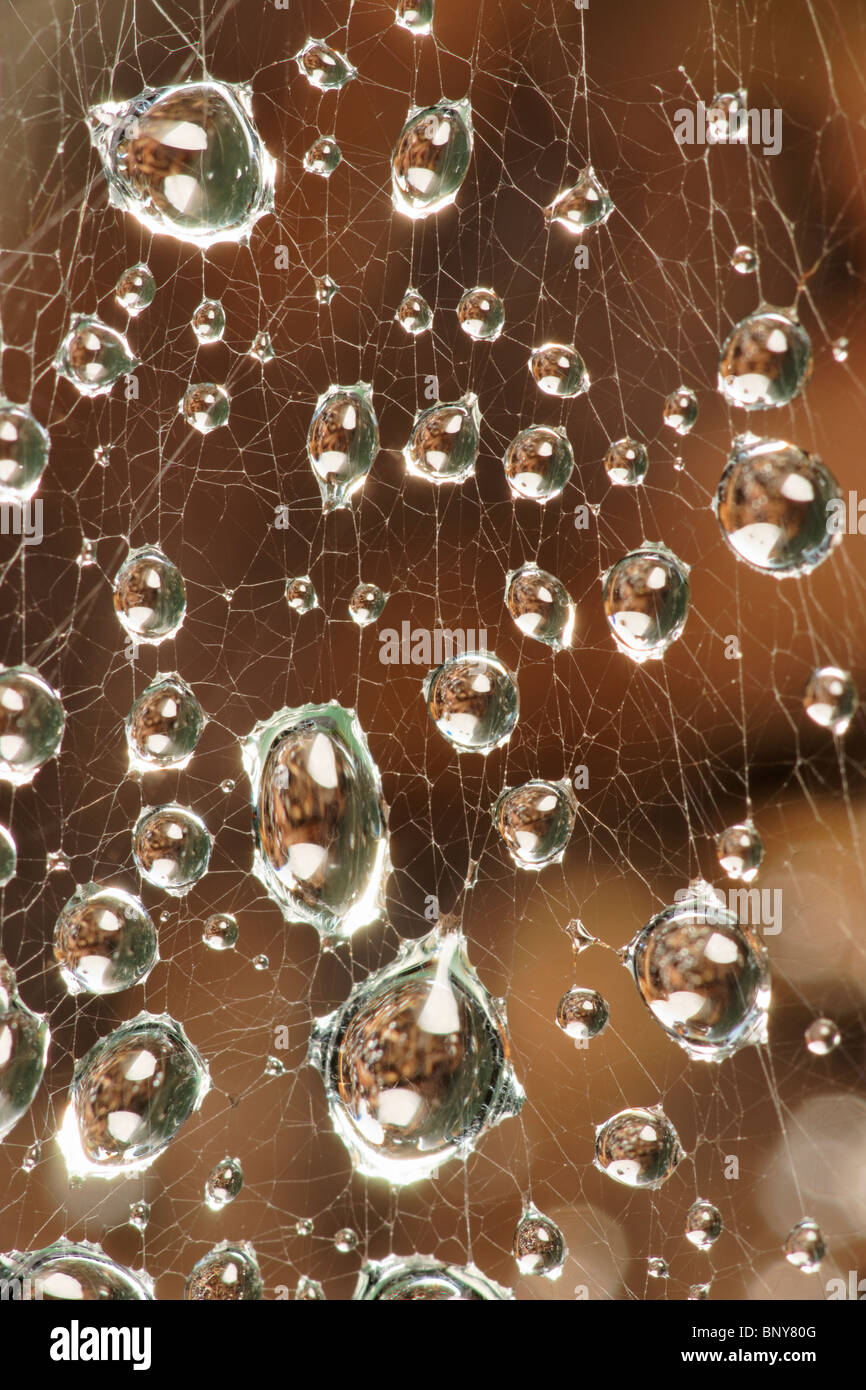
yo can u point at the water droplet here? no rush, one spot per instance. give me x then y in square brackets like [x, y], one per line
[539, 462]
[646, 601]
[209, 321]
[149, 595]
[25, 1037]
[164, 725]
[309, 1291]
[186, 160]
[415, 15]
[274, 1067]
[135, 289]
[171, 846]
[765, 360]
[830, 699]
[473, 700]
[8, 857]
[342, 442]
[586, 204]
[539, 1247]
[626, 462]
[657, 1268]
[740, 852]
[366, 604]
[680, 410]
[104, 941]
[703, 975]
[261, 348]
[638, 1148]
[102, 455]
[346, 1241]
[324, 67]
[78, 1272]
[540, 605]
[228, 1273]
[559, 370]
[744, 260]
[227, 786]
[32, 719]
[260, 963]
[420, 1278]
[481, 314]
[24, 447]
[822, 1037]
[431, 158]
[139, 1215]
[205, 406]
[416, 1062]
[698, 1293]
[87, 554]
[535, 821]
[772, 505]
[582, 1013]
[413, 313]
[56, 861]
[443, 445]
[304, 1226]
[840, 350]
[805, 1247]
[220, 932]
[323, 156]
[130, 1095]
[325, 288]
[224, 1182]
[31, 1157]
[727, 118]
[301, 594]
[704, 1224]
[320, 822]
[93, 356]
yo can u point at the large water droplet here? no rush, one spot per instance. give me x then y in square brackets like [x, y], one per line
[205, 406]
[703, 975]
[413, 313]
[765, 360]
[224, 1182]
[540, 605]
[421, 1278]
[539, 1246]
[79, 1272]
[805, 1247]
[228, 1273]
[481, 314]
[626, 462]
[320, 821]
[830, 699]
[740, 852]
[220, 932]
[586, 204]
[638, 1148]
[164, 725]
[703, 1224]
[822, 1037]
[535, 821]
[646, 601]
[8, 857]
[366, 604]
[323, 156]
[24, 446]
[24, 1039]
[209, 321]
[104, 941]
[93, 356]
[149, 595]
[431, 157]
[416, 1062]
[539, 462]
[443, 445]
[473, 700]
[342, 442]
[135, 289]
[582, 1013]
[415, 15]
[186, 160]
[680, 410]
[559, 370]
[323, 66]
[32, 719]
[171, 846]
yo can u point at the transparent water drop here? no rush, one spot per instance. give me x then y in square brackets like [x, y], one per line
[585, 204]
[646, 601]
[186, 160]
[638, 1148]
[680, 410]
[626, 462]
[261, 348]
[473, 700]
[540, 605]
[56, 861]
[830, 699]
[130, 1095]
[102, 456]
[346, 1241]
[366, 604]
[24, 1039]
[538, 1246]
[728, 118]
[227, 786]
[171, 846]
[415, 15]
[443, 445]
[703, 975]
[32, 1155]
[164, 725]
[559, 370]
[32, 719]
[205, 406]
[309, 1291]
[75, 1271]
[657, 1268]
[678, 465]
[342, 442]
[24, 447]
[8, 857]
[220, 932]
[744, 260]
[698, 1293]
[416, 1062]
[323, 66]
[93, 356]
[481, 314]
[582, 1013]
[740, 852]
[149, 595]
[704, 1224]
[274, 1067]
[805, 1246]
[822, 1037]
[260, 963]
[304, 1226]
[104, 941]
[301, 594]
[325, 288]
[224, 1182]
[431, 157]
[772, 505]
[320, 821]
[228, 1273]
[139, 1215]
[209, 321]
[840, 350]
[413, 313]
[539, 462]
[765, 360]
[87, 554]
[535, 821]
[135, 289]
[421, 1278]
[323, 156]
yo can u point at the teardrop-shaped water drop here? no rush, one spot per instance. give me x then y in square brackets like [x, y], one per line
[186, 160]
[744, 260]
[135, 289]
[32, 720]
[209, 321]
[830, 699]
[416, 1062]
[540, 605]
[323, 156]
[325, 288]
[805, 1247]
[24, 447]
[822, 1037]
[205, 406]
[559, 370]
[626, 462]
[24, 1039]
[323, 66]
[342, 442]
[443, 445]
[638, 1148]
[704, 1224]
[93, 356]
[680, 410]
[431, 157]
[79, 1272]
[320, 821]
[104, 941]
[149, 595]
[8, 857]
[220, 932]
[539, 462]
[535, 821]
[366, 604]
[228, 1273]
[421, 1278]
[765, 360]
[164, 725]
[301, 594]
[261, 348]
[740, 852]
[539, 1246]
[481, 314]
[473, 700]
[413, 313]
[646, 601]
[585, 204]
[139, 1215]
[582, 1013]
[224, 1182]
[415, 15]
[171, 846]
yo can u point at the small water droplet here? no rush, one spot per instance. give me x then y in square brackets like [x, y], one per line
[744, 260]
[323, 156]
[139, 1215]
[680, 411]
[830, 699]
[304, 1226]
[24, 447]
[342, 442]
[93, 356]
[559, 370]
[164, 725]
[205, 406]
[473, 700]
[822, 1037]
[541, 606]
[840, 350]
[805, 1247]
[626, 462]
[325, 288]
[740, 852]
[535, 821]
[323, 66]
[657, 1268]
[431, 158]
[646, 601]
[765, 360]
[220, 932]
[413, 313]
[102, 455]
[582, 1013]
[228, 1273]
[26, 1037]
[57, 862]
[309, 1291]
[227, 786]
[419, 1278]
[538, 463]
[415, 15]
[585, 204]
[346, 1241]
[8, 857]
[703, 1224]
[135, 289]
[301, 594]
[149, 595]
[539, 1246]
[443, 445]
[209, 321]
[274, 1067]
[261, 963]
[261, 348]
[699, 1293]
[728, 118]
[87, 554]
[481, 314]
[638, 1148]
[104, 941]
[31, 1157]
[171, 846]
[32, 720]
[366, 604]
[224, 1182]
